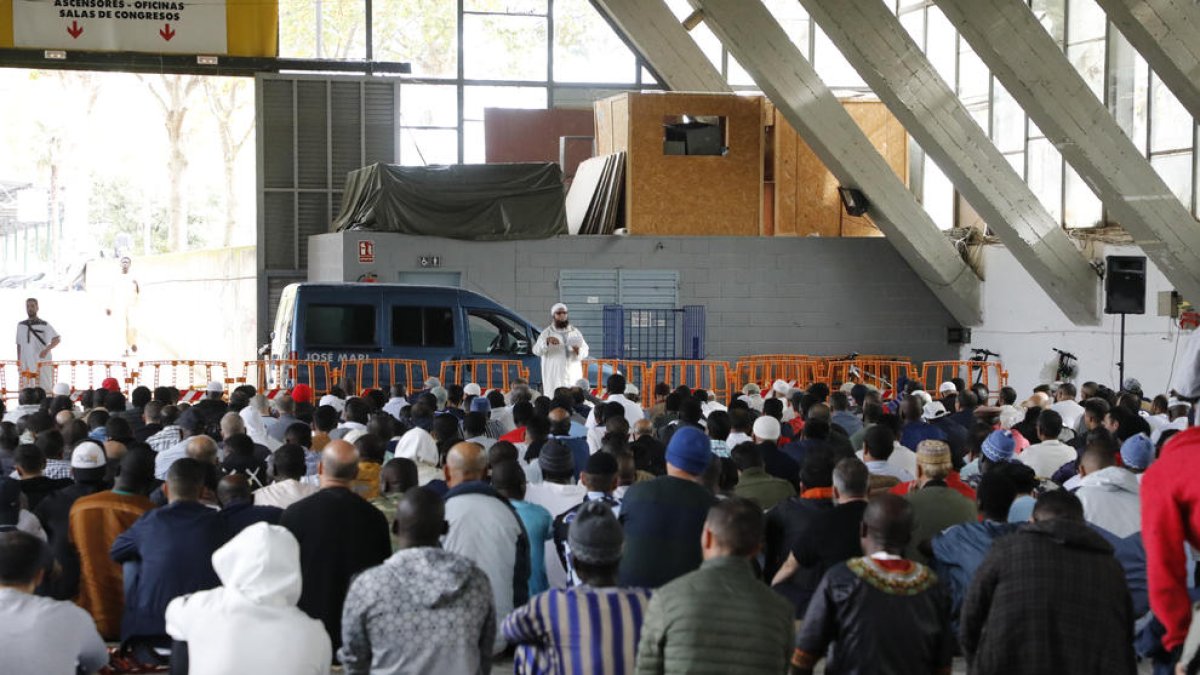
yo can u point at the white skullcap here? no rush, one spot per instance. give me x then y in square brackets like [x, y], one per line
[781, 387]
[766, 428]
[923, 396]
[947, 387]
[557, 306]
[215, 386]
[472, 389]
[632, 389]
[62, 389]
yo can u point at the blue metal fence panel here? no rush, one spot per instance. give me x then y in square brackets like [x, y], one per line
[614, 332]
[694, 331]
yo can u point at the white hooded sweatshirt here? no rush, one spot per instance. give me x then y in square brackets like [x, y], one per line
[416, 444]
[1111, 500]
[251, 624]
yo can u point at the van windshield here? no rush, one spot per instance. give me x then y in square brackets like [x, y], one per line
[329, 325]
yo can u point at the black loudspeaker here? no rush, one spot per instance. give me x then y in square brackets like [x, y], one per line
[1125, 285]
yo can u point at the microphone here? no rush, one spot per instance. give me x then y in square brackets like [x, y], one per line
[850, 357]
[985, 352]
[1068, 355]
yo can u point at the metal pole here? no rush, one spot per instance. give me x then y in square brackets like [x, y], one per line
[1121, 363]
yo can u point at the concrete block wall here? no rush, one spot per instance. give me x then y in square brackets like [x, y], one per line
[763, 295]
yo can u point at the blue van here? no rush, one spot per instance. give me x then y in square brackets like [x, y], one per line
[340, 322]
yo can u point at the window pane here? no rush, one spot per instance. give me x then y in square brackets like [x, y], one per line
[1083, 207]
[508, 6]
[406, 326]
[485, 336]
[298, 29]
[1050, 14]
[1008, 121]
[474, 150]
[709, 43]
[938, 197]
[439, 327]
[423, 147]
[980, 112]
[940, 44]
[1176, 171]
[973, 75]
[1017, 161]
[339, 325]
[422, 327]
[428, 105]
[1170, 123]
[738, 75]
[585, 47]
[1085, 21]
[1128, 84]
[833, 68]
[475, 99]
[343, 29]
[1088, 59]
[1045, 175]
[794, 20]
[420, 32]
[504, 47]
[914, 23]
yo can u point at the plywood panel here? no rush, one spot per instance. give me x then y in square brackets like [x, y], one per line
[620, 123]
[818, 208]
[785, 179]
[603, 116]
[694, 195]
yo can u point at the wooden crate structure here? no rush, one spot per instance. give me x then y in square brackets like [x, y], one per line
[805, 195]
[687, 195]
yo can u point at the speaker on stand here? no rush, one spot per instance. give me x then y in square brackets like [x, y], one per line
[1124, 293]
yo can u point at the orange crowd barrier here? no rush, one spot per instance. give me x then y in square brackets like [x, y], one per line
[882, 374]
[184, 374]
[10, 378]
[801, 370]
[87, 373]
[383, 373]
[713, 376]
[990, 373]
[286, 373]
[597, 371]
[487, 373]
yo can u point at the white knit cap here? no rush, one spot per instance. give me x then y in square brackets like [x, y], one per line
[766, 428]
[557, 306]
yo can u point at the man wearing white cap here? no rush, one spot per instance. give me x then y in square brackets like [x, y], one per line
[562, 349]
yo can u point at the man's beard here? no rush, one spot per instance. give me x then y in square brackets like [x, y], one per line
[561, 324]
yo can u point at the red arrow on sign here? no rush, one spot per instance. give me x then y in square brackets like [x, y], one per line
[75, 30]
[166, 32]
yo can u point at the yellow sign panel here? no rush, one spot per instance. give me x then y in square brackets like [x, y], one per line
[234, 28]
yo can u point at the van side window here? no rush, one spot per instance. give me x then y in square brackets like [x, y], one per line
[339, 325]
[496, 334]
[422, 327]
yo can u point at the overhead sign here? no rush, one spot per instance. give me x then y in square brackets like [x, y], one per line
[232, 27]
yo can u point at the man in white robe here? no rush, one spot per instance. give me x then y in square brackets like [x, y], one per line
[562, 349]
[35, 340]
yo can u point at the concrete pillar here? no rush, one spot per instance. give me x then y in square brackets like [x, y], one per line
[1167, 34]
[1022, 55]
[762, 47]
[874, 42]
[657, 35]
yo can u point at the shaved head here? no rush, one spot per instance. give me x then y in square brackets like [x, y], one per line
[202, 449]
[643, 427]
[887, 524]
[233, 488]
[465, 462]
[339, 463]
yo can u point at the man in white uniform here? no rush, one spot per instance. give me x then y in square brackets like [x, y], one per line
[562, 349]
[35, 340]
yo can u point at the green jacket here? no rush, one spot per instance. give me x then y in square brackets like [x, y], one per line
[762, 488]
[719, 619]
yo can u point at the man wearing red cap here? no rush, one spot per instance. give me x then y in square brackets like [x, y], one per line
[111, 384]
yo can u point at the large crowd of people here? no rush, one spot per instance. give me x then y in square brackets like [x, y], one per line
[444, 528]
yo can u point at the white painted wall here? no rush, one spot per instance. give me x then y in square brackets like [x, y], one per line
[1022, 324]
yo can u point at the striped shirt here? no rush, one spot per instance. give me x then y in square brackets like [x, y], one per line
[578, 630]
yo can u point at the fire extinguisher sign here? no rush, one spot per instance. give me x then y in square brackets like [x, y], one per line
[366, 251]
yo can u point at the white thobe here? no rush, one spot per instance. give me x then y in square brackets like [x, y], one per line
[561, 366]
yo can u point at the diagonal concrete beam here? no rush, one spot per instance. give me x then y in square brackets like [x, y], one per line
[1022, 55]
[758, 42]
[653, 30]
[1167, 34]
[874, 42]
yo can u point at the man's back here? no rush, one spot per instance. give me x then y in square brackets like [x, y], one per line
[832, 536]
[173, 548]
[1049, 598]
[1047, 457]
[762, 488]
[95, 523]
[599, 629]
[936, 507]
[881, 616]
[340, 535]
[719, 619]
[54, 513]
[425, 610]
[663, 519]
[40, 636]
[1111, 500]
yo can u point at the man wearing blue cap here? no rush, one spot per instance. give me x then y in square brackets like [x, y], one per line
[663, 518]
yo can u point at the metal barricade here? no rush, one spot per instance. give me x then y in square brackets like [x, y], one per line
[989, 373]
[712, 376]
[882, 374]
[184, 374]
[597, 372]
[10, 378]
[383, 373]
[487, 373]
[287, 373]
[87, 373]
[801, 370]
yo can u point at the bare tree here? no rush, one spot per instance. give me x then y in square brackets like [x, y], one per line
[173, 93]
[226, 101]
